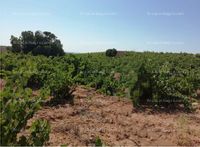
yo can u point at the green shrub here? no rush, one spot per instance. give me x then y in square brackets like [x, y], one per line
[59, 84]
[98, 142]
[40, 130]
[164, 87]
[141, 92]
[17, 107]
[39, 134]
[111, 52]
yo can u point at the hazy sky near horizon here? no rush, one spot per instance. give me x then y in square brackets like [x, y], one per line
[96, 25]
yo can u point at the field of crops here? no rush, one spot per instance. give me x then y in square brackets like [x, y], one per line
[156, 80]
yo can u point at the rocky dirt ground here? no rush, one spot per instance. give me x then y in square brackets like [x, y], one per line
[113, 120]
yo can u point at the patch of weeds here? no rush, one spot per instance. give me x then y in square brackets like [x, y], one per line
[63, 145]
[98, 142]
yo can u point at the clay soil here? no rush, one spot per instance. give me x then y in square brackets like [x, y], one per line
[115, 122]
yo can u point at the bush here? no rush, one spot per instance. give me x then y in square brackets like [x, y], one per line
[59, 84]
[39, 134]
[40, 130]
[17, 107]
[141, 92]
[164, 87]
[111, 52]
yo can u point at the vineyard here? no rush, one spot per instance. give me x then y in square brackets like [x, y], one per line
[168, 81]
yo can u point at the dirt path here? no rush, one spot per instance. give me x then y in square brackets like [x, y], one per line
[114, 122]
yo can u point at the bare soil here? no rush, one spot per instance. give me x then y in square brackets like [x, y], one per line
[114, 121]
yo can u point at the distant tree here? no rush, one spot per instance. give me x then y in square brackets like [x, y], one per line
[16, 44]
[39, 43]
[49, 37]
[57, 46]
[47, 44]
[111, 52]
[40, 50]
[28, 41]
[39, 38]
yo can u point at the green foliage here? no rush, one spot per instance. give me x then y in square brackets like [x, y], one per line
[39, 134]
[27, 41]
[164, 86]
[98, 142]
[136, 95]
[59, 84]
[17, 107]
[111, 52]
[38, 43]
[151, 78]
[63, 145]
[22, 74]
[16, 44]
[177, 74]
[40, 130]
[142, 90]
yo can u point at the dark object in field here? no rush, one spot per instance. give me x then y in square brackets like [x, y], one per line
[111, 52]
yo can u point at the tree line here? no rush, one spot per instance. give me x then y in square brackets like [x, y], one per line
[38, 43]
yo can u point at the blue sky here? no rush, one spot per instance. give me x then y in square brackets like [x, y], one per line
[96, 25]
